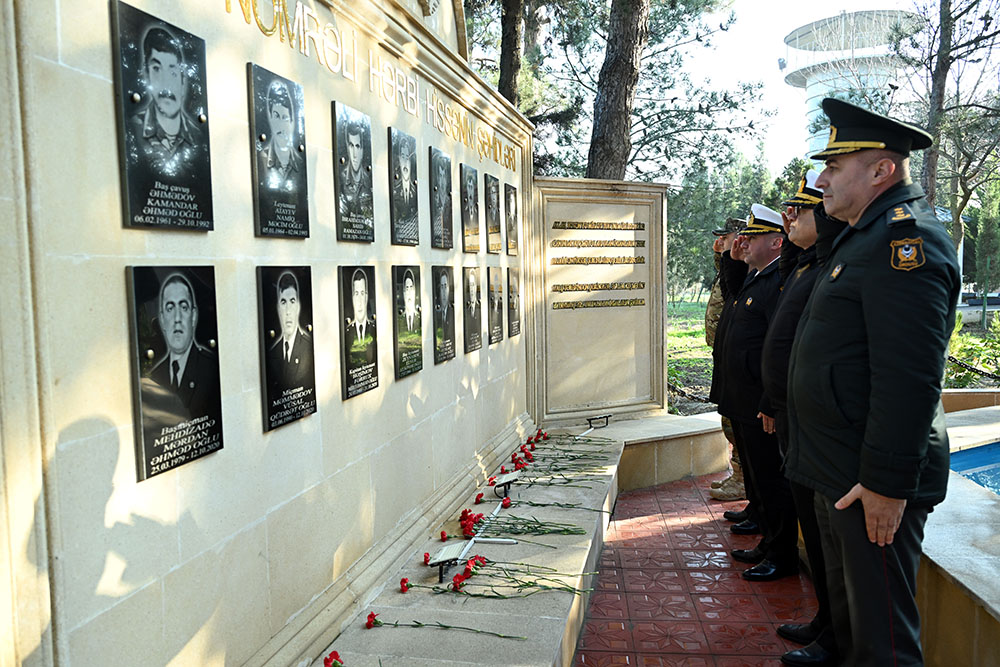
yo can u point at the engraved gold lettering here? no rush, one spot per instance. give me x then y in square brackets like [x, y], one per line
[599, 260]
[579, 224]
[594, 287]
[603, 303]
[588, 243]
[332, 48]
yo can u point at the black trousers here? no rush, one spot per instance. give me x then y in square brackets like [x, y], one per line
[762, 462]
[806, 511]
[872, 588]
[753, 499]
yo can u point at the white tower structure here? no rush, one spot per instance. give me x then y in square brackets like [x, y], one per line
[845, 55]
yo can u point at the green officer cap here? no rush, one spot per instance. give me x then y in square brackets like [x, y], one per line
[853, 129]
[732, 225]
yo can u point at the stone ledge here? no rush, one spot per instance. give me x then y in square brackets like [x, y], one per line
[551, 620]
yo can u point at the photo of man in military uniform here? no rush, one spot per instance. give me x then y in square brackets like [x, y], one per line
[441, 200]
[408, 330]
[277, 130]
[510, 213]
[403, 186]
[496, 301]
[359, 342]
[472, 322]
[470, 209]
[492, 194]
[353, 171]
[444, 313]
[166, 164]
[513, 303]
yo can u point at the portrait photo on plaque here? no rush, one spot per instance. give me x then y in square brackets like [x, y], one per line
[496, 303]
[472, 309]
[491, 193]
[470, 208]
[443, 290]
[510, 212]
[408, 349]
[175, 364]
[403, 186]
[358, 337]
[441, 199]
[162, 109]
[278, 142]
[513, 303]
[287, 367]
[352, 168]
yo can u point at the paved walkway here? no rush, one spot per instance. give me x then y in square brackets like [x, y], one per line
[668, 592]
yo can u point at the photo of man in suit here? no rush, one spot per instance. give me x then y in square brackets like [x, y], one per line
[513, 303]
[470, 209]
[360, 329]
[496, 303]
[473, 320]
[444, 314]
[408, 326]
[188, 369]
[290, 358]
[510, 212]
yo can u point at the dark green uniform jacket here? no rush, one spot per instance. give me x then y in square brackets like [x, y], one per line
[864, 380]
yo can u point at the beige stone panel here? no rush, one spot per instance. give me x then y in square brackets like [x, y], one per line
[105, 641]
[81, 214]
[87, 353]
[36, 28]
[114, 536]
[709, 453]
[215, 605]
[84, 32]
[637, 468]
[315, 537]
[451, 448]
[402, 477]
[987, 651]
[948, 638]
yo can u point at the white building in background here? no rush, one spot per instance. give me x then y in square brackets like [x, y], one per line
[845, 54]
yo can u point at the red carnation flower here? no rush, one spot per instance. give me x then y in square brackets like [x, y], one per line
[505, 503]
[538, 433]
[427, 558]
[479, 498]
[457, 581]
[444, 536]
[530, 441]
[404, 585]
[545, 436]
[493, 481]
[372, 621]
[332, 660]
[503, 469]
[532, 446]
[529, 456]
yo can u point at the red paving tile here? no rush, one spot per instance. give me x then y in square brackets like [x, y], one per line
[668, 593]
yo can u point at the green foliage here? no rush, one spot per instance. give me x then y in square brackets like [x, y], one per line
[979, 349]
[988, 239]
[787, 183]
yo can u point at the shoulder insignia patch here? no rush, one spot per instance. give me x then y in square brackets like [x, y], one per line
[749, 300]
[836, 272]
[901, 214]
[907, 254]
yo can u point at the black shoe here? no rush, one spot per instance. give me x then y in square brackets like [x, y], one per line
[768, 571]
[746, 527]
[800, 633]
[736, 515]
[809, 656]
[751, 556]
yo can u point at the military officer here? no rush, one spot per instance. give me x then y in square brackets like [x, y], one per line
[866, 427]
[741, 396]
[803, 226]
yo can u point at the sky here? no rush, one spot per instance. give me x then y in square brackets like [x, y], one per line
[750, 50]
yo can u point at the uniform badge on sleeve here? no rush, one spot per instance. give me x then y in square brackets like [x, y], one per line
[907, 254]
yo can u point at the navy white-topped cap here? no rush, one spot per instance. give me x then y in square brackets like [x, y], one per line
[762, 220]
[808, 194]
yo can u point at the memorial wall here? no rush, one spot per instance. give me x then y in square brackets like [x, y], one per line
[247, 247]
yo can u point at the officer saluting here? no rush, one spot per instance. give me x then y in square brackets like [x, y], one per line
[864, 396]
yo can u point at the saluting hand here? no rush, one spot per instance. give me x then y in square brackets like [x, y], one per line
[788, 216]
[882, 513]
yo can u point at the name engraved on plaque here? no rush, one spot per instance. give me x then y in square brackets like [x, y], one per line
[599, 260]
[593, 287]
[617, 226]
[602, 303]
[589, 243]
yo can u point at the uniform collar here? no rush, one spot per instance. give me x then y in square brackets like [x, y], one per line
[897, 194]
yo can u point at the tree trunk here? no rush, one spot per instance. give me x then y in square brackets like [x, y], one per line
[532, 34]
[935, 113]
[510, 48]
[610, 143]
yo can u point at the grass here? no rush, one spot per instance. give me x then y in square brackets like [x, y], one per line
[689, 358]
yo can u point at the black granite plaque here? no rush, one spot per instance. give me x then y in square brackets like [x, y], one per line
[472, 307]
[408, 337]
[510, 196]
[496, 303]
[163, 117]
[353, 174]
[287, 367]
[278, 142]
[441, 199]
[403, 186]
[491, 189]
[178, 407]
[470, 209]
[359, 339]
[443, 289]
[513, 303]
